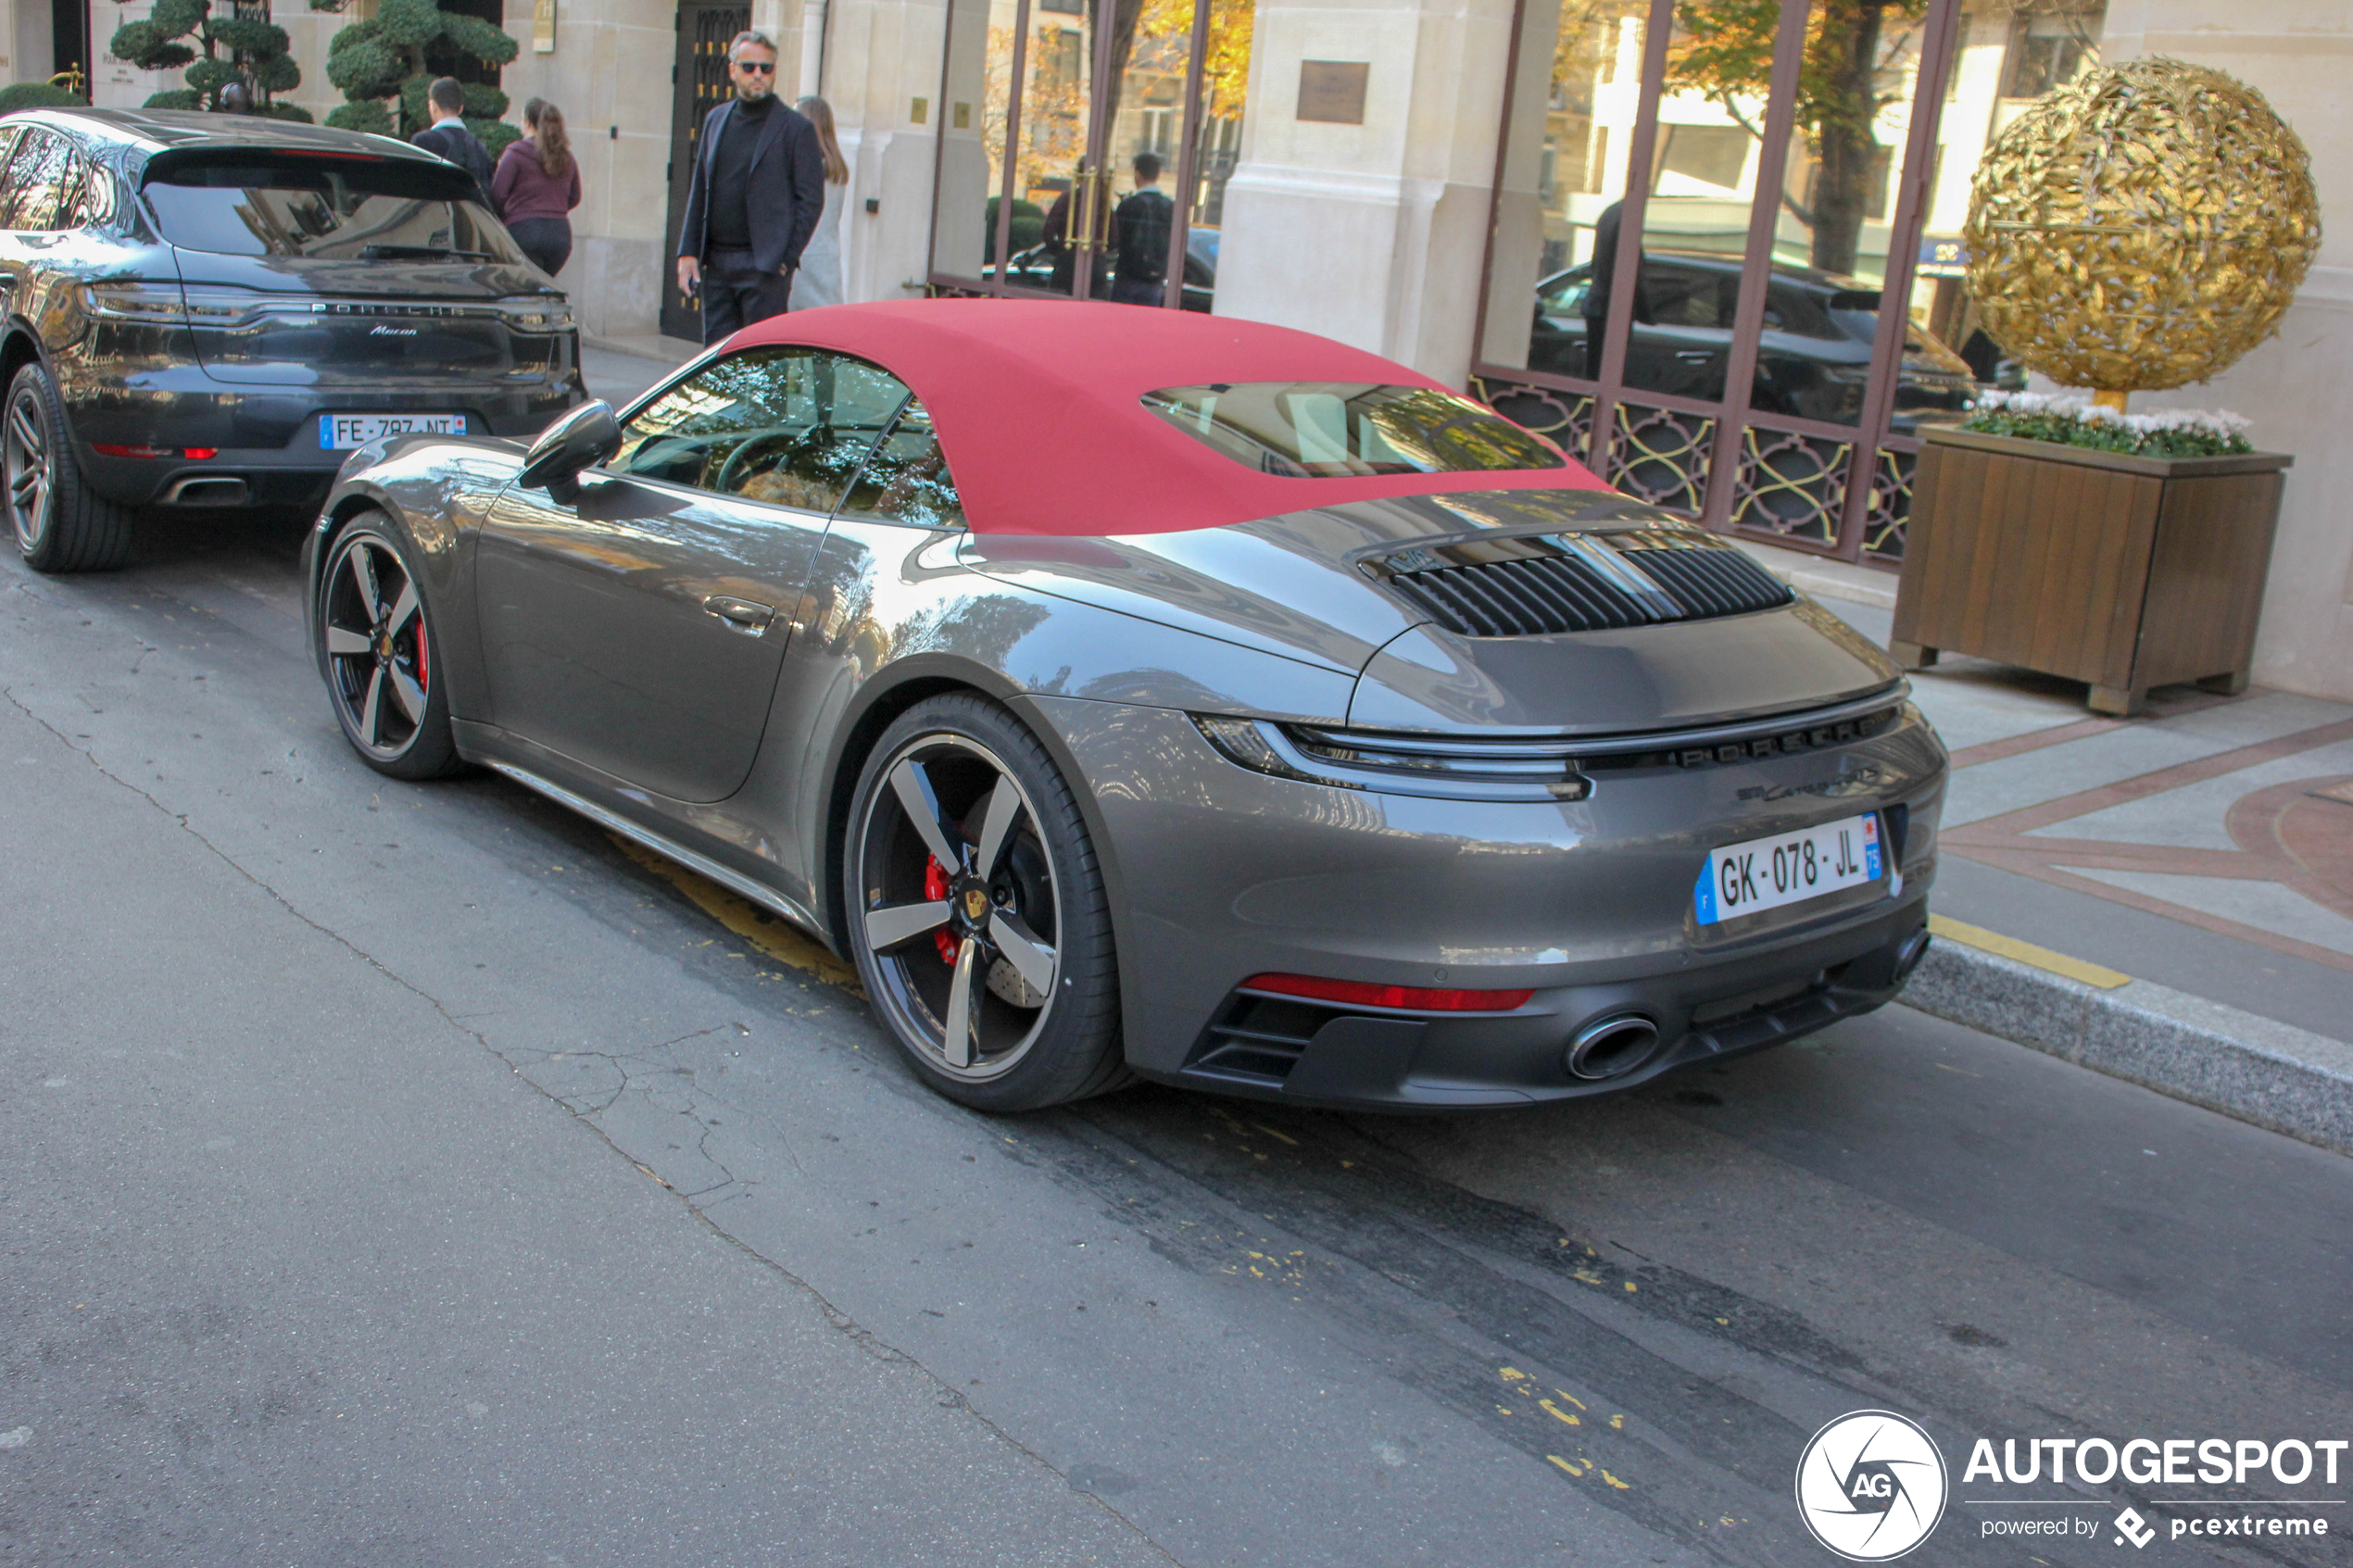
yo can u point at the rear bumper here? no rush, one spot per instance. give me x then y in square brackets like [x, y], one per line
[1219, 874]
[1378, 1059]
[265, 437]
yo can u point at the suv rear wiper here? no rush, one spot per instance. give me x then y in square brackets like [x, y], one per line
[421, 253]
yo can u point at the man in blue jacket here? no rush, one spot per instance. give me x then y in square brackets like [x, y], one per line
[753, 200]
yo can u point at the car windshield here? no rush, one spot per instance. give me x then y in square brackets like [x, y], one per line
[348, 209]
[1335, 430]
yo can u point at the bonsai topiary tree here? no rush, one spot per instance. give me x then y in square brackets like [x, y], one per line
[218, 48]
[386, 63]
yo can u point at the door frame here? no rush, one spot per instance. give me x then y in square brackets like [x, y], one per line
[1182, 172]
[688, 103]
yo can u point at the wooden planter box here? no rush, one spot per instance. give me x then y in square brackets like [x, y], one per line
[2123, 572]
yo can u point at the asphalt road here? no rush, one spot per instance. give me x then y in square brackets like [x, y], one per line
[408, 1176]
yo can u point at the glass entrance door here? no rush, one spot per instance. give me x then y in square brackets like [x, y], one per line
[1085, 147]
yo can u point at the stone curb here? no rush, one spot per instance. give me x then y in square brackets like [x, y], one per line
[2251, 1068]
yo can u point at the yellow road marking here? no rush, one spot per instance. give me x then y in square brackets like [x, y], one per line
[2027, 953]
[765, 932]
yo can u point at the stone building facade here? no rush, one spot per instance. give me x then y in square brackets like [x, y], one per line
[1411, 175]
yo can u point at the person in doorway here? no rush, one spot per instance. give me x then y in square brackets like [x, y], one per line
[447, 137]
[1141, 226]
[537, 185]
[754, 198]
[819, 280]
[1604, 264]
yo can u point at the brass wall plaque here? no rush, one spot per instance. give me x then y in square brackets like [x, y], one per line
[1332, 91]
[542, 26]
[920, 111]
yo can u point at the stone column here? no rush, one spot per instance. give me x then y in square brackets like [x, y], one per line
[882, 76]
[1372, 233]
[2292, 386]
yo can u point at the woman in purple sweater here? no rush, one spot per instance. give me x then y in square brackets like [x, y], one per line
[536, 186]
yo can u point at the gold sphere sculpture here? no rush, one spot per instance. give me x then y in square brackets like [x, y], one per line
[2142, 227]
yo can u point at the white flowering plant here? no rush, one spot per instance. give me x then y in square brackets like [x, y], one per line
[2078, 422]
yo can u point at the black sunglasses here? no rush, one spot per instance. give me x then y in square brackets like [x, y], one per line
[755, 68]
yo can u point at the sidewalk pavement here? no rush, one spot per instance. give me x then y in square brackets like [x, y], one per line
[2168, 898]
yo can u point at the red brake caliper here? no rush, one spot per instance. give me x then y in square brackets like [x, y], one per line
[935, 890]
[421, 665]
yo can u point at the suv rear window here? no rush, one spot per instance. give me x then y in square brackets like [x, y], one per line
[1336, 430]
[348, 209]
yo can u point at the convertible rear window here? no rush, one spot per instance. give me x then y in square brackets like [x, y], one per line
[353, 208]
[1337, 430]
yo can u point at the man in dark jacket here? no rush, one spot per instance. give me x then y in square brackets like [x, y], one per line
[754, 198]
[447, 137]
[1140, 224]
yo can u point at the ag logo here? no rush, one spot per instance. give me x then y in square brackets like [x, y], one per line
[1870, 1485]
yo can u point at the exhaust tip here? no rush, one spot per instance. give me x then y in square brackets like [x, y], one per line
[207, 491]
[1908, 955]
[1612, 1048]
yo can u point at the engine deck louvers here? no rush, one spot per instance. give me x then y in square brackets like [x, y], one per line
[1534, 585]
[1519, 599]
[1710, 582]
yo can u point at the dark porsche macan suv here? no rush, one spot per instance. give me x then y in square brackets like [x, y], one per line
[213, 310]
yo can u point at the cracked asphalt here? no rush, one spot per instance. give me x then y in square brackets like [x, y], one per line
[400, 1175]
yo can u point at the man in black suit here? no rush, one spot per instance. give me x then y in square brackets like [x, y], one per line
[756, 190]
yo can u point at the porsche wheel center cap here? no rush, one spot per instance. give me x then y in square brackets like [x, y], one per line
[974, 902]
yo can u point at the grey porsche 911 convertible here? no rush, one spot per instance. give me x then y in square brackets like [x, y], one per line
[1136, 694]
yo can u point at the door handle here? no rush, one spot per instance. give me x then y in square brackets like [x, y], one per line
[742, 614]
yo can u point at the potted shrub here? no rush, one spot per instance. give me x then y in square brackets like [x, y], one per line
[2139, 230]
[2122, 550]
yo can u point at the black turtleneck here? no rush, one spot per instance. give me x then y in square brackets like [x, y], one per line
[731, 174]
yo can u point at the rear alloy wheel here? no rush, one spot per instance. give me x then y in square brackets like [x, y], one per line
[60, 526]
[978, 914]
[379, 661]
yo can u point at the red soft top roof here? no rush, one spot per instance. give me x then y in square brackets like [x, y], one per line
[1037, 405]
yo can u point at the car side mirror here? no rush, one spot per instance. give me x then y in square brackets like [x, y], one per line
[578, 441]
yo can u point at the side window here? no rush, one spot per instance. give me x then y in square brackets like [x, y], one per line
[1678, 297]
[782, 425]
[907, 479]
[36, 179]
[1567, 297]
[93, 203]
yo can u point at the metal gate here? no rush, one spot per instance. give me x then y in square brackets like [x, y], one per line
[698, 83]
